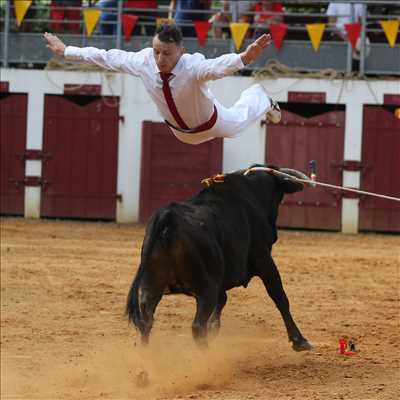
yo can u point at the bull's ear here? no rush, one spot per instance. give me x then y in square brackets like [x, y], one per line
[289, 186]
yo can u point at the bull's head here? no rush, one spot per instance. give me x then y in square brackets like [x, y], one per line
[291, 185]
[290, 180]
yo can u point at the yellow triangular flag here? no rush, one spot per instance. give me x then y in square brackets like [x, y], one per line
[238, 30]
[91, 16]
[315, 31]
[161, 21]
[21, 7]
[391, 28]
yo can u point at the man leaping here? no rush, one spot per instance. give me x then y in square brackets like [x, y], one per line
[176, 81]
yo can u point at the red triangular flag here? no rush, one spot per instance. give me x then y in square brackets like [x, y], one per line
[202, 28]
[278, 33]
[353, 33]
[128, 24]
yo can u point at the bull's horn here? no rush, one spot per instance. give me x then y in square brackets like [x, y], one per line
[294, 173]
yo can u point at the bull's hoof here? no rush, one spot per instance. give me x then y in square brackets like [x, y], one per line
[213, 329]
[302, 345]
[202, 343]
[142, 379]
[144, 340]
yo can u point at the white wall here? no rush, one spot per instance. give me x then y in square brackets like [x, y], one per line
[136, 106]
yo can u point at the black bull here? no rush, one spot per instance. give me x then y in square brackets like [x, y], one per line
[217, 240]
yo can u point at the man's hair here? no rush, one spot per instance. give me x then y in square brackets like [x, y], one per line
[169, 33]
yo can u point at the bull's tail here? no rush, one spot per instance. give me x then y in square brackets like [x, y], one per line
[148, 286]
[132, 304]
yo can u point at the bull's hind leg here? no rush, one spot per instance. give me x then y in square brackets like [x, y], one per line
[148, 301]
[206, 302]
[272, 281]
[214, 322]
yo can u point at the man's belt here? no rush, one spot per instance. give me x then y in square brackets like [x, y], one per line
[201, 128]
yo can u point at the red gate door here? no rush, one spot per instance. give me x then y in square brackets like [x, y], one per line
[381, 162]
[13, 110]
[172, 170]
[293, 143]
[80, 144]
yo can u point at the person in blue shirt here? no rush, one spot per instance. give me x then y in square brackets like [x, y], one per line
[108, 19]
[182, 12]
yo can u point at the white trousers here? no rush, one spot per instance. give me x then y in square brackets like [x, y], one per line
[231, 122]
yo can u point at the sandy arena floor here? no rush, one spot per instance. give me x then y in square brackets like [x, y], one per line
[64, 335]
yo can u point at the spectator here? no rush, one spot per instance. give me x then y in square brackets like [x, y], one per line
[60, 10]
[183, 16]
[146, 15]
[108, 20]
[263, 19]
[228, 12]
[340, 14]
[28, 26]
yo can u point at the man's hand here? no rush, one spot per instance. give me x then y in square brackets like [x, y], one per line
[255, 49]
[54, 44]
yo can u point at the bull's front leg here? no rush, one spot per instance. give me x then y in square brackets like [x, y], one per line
[271, 278]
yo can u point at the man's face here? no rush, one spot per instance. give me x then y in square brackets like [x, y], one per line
[166, 54]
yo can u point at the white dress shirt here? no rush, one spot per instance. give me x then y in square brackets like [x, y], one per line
[241, 6]
[343, 12]
[193, 99]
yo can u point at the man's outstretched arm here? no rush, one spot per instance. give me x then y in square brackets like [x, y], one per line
[115, 60]
[228, 64]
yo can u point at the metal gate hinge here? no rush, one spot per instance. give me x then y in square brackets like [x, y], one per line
[30, 181]
[349, 165]
[33, 155]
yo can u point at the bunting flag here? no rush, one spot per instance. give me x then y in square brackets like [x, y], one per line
[162, 21]
[391, 28]
[91, 16]
[353, 33]
[315, 31]
[202, 28]
[278, 33]
[239, 30]
[21, 7]
[128, 25]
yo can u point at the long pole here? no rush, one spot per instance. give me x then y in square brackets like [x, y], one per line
[6, 34]
[119, 25]
[316, 183]
[363, 38]
[349, 48]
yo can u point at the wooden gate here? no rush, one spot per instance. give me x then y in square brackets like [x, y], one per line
[381, 167]
[80, 144]
[13, 111]
[172, 170]
[309, 132]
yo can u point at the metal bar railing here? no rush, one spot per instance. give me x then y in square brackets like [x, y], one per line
[6, 33]
[119, 25]
[8, 21]
[363, 38]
